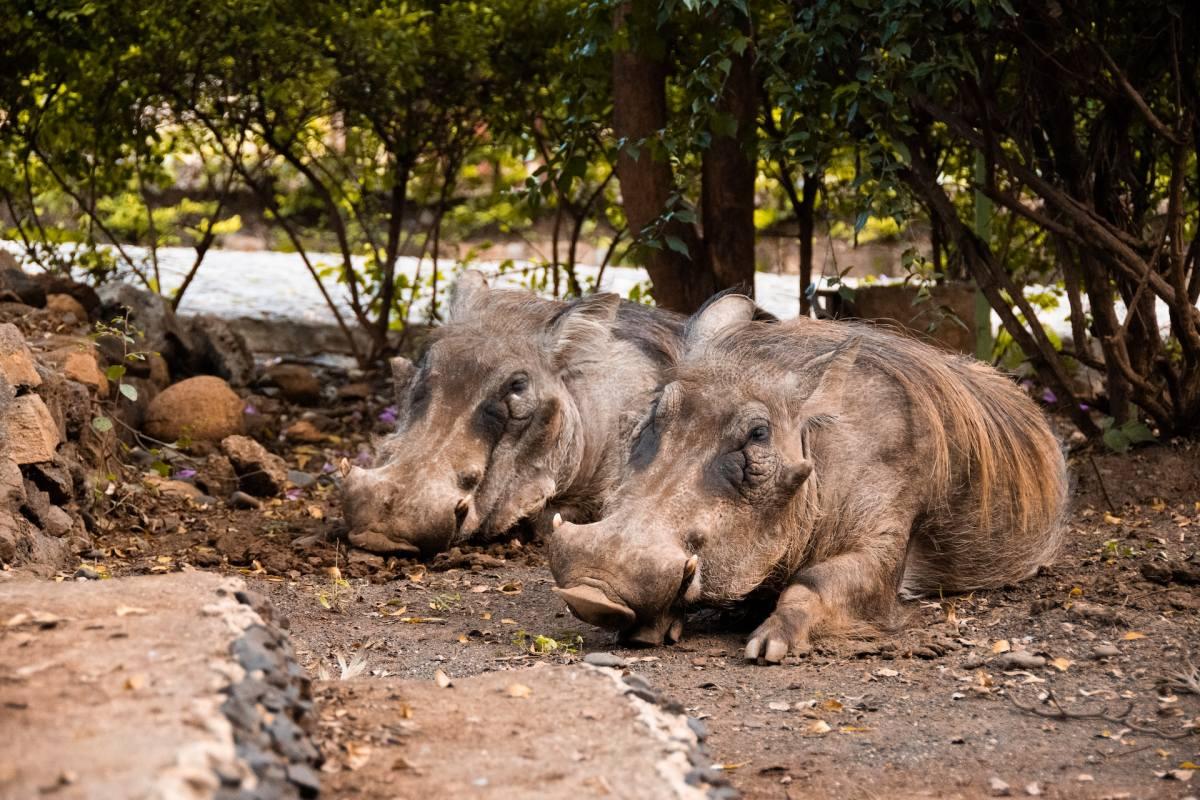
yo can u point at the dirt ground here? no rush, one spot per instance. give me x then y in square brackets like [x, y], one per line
[1073, 684]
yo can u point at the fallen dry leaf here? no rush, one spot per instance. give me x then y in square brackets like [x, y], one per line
[818, 727]
[135, 681]
[357, 755]
[126, 611]
[1001, 646]
[1112, 520]
[443, 680]
[1129, 637]
[511, 587]
[518, 690]
[507, 621]
[832, 705]
[1061, 664]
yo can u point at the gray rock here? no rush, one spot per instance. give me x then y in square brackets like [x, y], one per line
[1105, 651]
[16, 284]
[218, 349]
[1020, 659]
[87, 573]
[604, 660]
[301, 480]
[162, 332]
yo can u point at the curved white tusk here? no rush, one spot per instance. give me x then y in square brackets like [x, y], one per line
[344, 467]
[557, 522]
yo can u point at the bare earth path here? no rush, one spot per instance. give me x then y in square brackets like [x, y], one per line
[1100, 638]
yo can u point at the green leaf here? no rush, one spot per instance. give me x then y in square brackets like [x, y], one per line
[1137, 432]
[102, 424]
[162, 468]
[129, 391]
[1116, 441]
[677, 244]
[115, 372]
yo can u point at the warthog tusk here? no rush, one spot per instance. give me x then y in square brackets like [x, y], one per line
[557, 522]
[344, 467]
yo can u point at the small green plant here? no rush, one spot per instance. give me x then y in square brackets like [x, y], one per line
[541, 645]
[1114, 549]
[334, 597]
[445, 602]
[123, 331]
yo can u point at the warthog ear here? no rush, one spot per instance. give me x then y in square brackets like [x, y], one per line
[716, 316]
[468, 289]
[834, 369]
[402, 372]
[581, 326]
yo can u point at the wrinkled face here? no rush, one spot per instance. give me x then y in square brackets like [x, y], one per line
[713, 474]
[486, 424]
[477, 420]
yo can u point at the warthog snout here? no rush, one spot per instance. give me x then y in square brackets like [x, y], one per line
[383, 518]
[641, 594]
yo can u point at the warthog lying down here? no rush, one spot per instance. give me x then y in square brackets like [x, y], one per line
[831, 464]
[519, 407]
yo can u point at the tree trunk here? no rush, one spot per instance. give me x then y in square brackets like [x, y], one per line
[807, 222]
[681, 282]
[727, 182]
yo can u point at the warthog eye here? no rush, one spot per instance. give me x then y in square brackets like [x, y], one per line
[518, 383]
[760, 434]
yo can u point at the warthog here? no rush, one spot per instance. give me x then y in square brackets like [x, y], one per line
[832, 465]
[518, 407]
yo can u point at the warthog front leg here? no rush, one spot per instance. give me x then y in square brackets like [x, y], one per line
[859, 586]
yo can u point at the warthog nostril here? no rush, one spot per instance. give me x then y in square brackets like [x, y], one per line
[460, 512]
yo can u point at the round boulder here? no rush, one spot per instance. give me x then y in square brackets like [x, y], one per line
[202, 408]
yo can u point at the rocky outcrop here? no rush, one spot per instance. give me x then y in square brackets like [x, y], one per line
[260, 473]
[217, 349]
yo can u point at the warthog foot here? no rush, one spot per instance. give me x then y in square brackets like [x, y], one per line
[784, 632]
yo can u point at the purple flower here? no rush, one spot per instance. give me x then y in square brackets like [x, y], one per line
[1048, 397]
[363, 459]
[249, 409]
[326, 468]
[1084, 407]
[388, 415]
[184, 474]
[293, 494]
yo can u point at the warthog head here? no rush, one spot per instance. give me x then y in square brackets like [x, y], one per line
[716, 471]
[486, 425]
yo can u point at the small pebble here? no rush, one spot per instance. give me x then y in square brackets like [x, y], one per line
[604, 660]
[1033, 789]
[998, 788]
[1105, 651]
[243, 500]
[1020, 659]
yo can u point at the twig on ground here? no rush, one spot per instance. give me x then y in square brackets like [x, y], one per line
[1058, 712]
[1107, 500]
